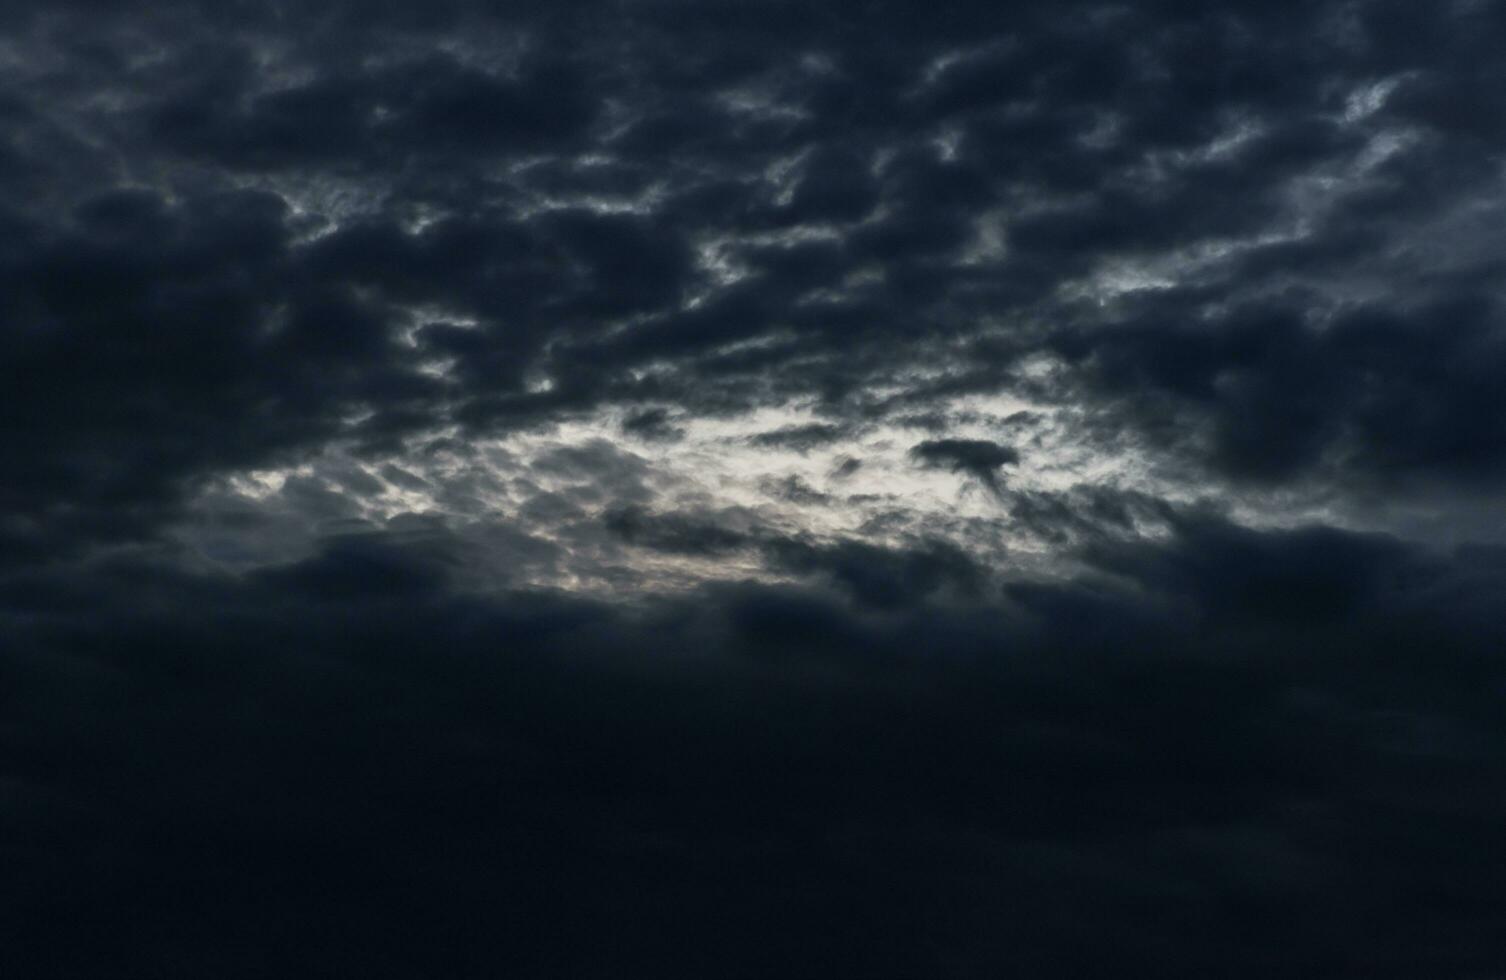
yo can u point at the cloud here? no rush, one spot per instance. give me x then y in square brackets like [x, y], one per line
[1266, 396]
[884, 577]
[801, 438]
[675, 533]
[461, 508]
[977, 458]
[358, 739]
[652, 424]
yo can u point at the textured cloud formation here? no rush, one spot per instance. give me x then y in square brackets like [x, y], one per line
[978, 458]
[752, 489]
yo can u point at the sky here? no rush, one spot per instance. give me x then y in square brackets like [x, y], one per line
[746, 488]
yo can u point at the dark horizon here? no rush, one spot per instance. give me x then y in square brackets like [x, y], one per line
[752, 489]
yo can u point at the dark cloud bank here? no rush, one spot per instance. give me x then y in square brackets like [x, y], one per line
[1259, 243]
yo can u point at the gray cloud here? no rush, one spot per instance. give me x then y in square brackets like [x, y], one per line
[479, 488]
[978, 458]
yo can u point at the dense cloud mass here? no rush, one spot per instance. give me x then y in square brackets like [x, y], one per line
[752, 489]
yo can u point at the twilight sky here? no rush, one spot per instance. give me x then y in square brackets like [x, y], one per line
[752, 489]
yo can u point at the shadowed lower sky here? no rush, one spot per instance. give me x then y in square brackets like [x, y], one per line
[752, 489]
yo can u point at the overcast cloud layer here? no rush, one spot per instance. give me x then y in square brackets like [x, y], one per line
[752, 489]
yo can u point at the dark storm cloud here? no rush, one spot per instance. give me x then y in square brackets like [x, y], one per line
[652, 424]
[977, 458]
[1392, 393]
[846, 467]
[1083, 515]
[360, 759]
[884, 577]
[681, 534]
[150, 344]
[872, 576]
[1258, 245]
[897, 131]
[796, 491]
[801, 438]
